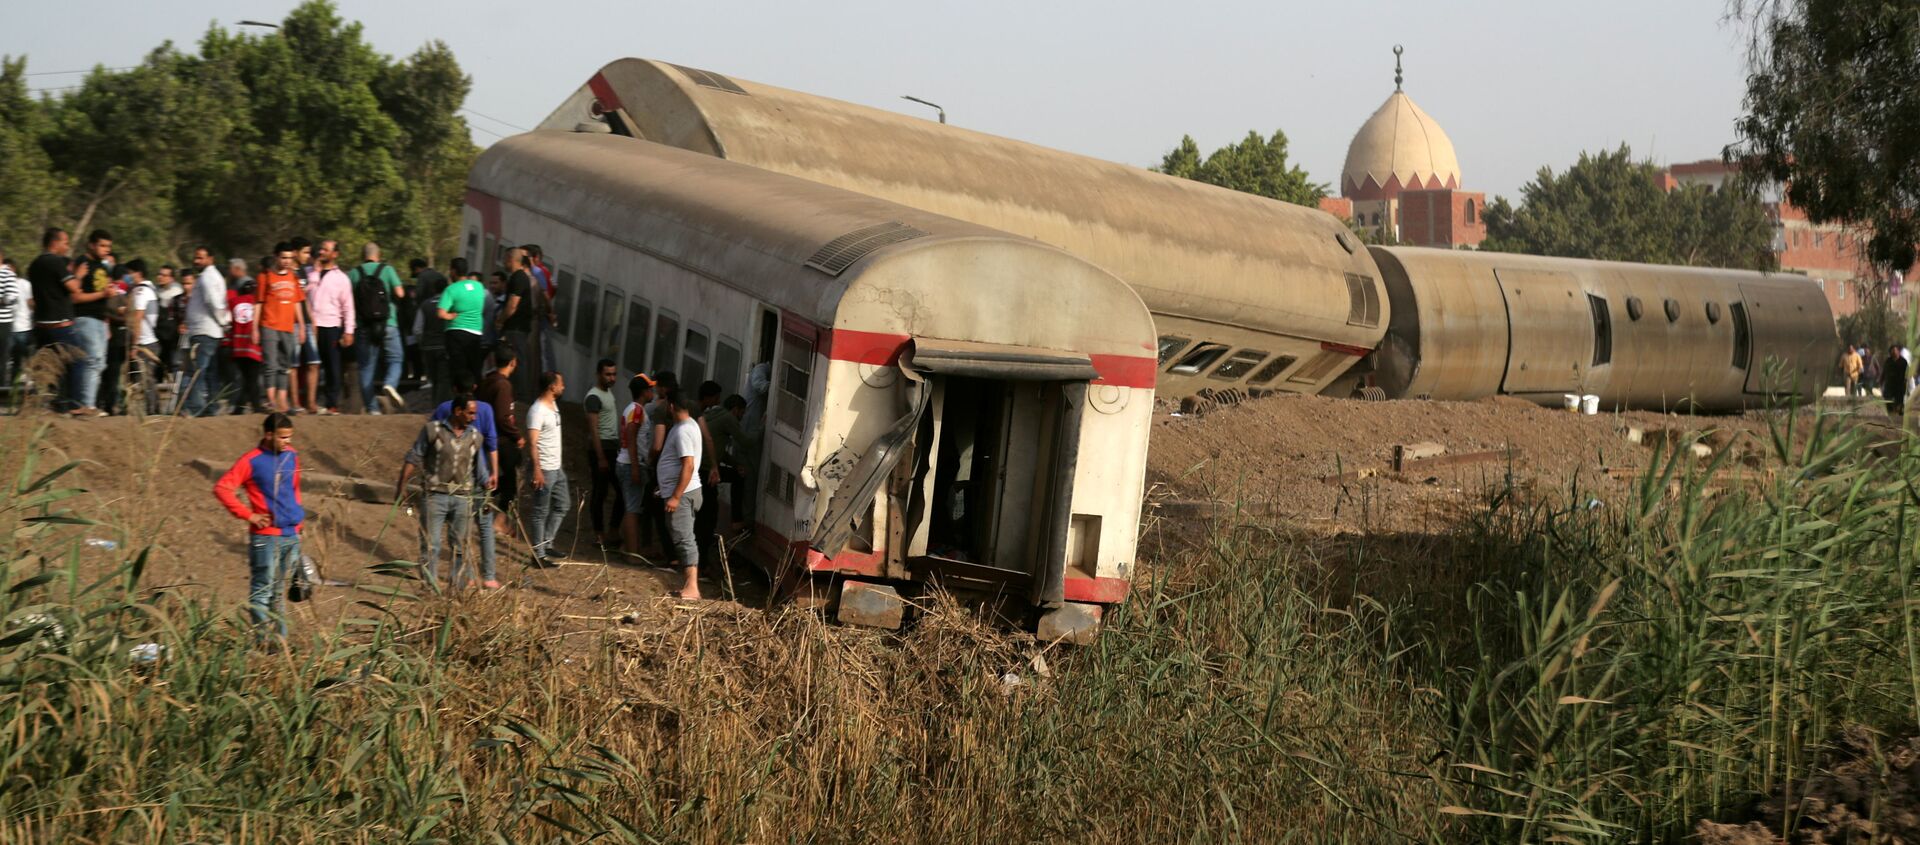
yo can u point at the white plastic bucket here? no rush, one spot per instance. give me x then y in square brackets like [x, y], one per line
[1571, 401]
[1590, 404]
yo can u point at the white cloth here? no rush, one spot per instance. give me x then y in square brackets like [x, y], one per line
[207, 314]
[146, 300]
[631, 413]
[14, 293]
[683, 441]
[545, 419]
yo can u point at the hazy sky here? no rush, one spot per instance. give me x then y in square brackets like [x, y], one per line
[1517, 85]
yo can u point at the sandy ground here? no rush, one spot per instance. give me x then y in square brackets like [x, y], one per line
[1273, 455]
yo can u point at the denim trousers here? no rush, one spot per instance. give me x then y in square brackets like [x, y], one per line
[203, 377]
[384, 358]
[272, 559]
[483, 511]
[550, 505]
[90, 333]
[446, 514]
[330, 373]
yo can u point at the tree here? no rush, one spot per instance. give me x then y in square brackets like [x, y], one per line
[1833, 113]
[1876, 323]
[253, 139]
[1609, 207]
[1256, 165]
[30, 201]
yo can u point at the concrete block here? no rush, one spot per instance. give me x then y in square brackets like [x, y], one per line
[1404, 452]
[870, 605]
[1073, 622]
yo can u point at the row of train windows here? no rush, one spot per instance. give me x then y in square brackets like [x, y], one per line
[1180, 356]
[1603, 327]
[608, 325]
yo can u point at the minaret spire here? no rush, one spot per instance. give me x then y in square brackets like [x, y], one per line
[1396, 67]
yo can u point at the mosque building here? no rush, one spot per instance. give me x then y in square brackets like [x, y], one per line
[1403, 180]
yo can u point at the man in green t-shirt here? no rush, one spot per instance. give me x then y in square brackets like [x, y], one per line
[376, 289]
[463, 306]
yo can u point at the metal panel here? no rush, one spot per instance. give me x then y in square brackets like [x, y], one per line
[1787, 356]
[1550, 331]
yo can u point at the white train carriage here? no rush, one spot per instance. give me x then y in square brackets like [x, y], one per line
[947, 401]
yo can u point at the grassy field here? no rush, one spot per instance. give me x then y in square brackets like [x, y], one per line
[1548, 668]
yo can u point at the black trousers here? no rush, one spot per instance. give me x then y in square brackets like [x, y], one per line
[246, 384]
[331, 376]
[463, 358]
[707, 519]
[604, 483]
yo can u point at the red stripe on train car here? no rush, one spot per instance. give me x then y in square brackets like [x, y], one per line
[883, 349]
[1097, 590]
[1355, 351]
[873, 565]
[603, 91]
[489, 208]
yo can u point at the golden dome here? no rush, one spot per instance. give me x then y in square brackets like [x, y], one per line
[1399, 147]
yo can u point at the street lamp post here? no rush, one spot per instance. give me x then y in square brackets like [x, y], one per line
[936, 106]
[258, 23]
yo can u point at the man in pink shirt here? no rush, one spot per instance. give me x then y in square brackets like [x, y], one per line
[330, 301]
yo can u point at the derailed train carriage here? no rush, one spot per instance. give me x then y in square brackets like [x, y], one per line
[948, 402]
[1259, 295]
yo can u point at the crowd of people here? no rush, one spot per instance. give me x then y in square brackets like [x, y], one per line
[1891, 377]
[285, 333]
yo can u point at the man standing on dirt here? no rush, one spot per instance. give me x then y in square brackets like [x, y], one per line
[377, 290]
[450, 456]
[283, 327]
[95, 277]
[1850, 366]
[429, 331]
[497, 390]
[463, 308]
[515, 322]
[603, 414]
[207, 320]
[330, 303]
[550, 499]
[678, 474]
[1893, 383]
[630, 467]
[273, 511]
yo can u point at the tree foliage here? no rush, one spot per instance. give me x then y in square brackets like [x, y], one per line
[1833, 113]
[252, 139]
[1877, 322]
[1608, 206]
[1256, 165]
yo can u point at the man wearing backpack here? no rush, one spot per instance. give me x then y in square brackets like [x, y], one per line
[375, 289]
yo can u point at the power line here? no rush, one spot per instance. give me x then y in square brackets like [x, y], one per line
[486, 130]
[65, 72]
[494, 119]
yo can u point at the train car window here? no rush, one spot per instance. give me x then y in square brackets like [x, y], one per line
[1673, 310]
[1272, 370]
[693, 361]
[796, 373]
[1713, 313]
[1202, 357]
[1742, 339]
[1634, 309]
[589, 334]
[726, 365]
[1171, 346]
[666, 341]
[1238, 364]
[1602, 331]
[634, 353]
[563, 301]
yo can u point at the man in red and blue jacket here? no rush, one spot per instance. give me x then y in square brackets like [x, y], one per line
[270, 475]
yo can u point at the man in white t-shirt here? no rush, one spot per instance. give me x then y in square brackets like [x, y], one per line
[550, 500]
[678, 477]
[143, 320]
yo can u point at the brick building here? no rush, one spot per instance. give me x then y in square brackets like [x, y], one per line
[1402, 178]
[1833, 256]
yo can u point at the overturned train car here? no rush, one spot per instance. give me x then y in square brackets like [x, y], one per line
[942, 400]
[1259, 295]
[1640, 336]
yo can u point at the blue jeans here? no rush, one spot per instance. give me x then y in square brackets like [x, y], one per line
[449, 514]
[550, 505]
[203, 377]
[90, 334]
[483, 511]
[391, 356]
[272, 560]
[683, 543]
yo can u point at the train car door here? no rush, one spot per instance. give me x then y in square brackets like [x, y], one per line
[1781, 353]
[1550, 332]
[978, 474]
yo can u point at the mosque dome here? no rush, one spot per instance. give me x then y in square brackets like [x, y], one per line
[1399, 148]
